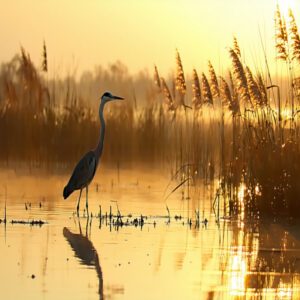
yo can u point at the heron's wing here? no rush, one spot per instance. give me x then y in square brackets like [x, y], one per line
[83, 172]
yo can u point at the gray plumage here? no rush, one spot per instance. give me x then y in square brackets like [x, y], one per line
[85, 169]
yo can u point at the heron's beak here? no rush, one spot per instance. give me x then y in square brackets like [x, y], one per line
[118, 98]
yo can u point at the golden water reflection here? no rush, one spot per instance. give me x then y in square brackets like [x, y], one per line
[73, 258]
[85, 251]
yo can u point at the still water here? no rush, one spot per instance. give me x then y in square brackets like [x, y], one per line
[166, 258]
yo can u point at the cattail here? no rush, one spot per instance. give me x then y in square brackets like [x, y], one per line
[281, 37]
[262, 89]
[239, 75]
[254, 90]
[236, 47]
[213, 81]
[294, 36]
[207, 96]
[156, 78]
[45, 60]
[180, 80]
[196, 101]
[168, 98]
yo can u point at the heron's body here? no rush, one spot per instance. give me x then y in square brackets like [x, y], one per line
[83, 174]
[85, 169]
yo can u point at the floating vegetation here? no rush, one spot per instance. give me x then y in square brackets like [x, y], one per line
[24, 222]
[117, 220]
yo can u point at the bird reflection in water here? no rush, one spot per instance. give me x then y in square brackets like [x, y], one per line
[86, 252]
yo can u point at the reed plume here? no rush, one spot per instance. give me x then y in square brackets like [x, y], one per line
[45, 59]
[213, 81]
[240, 77]
[225, 93]
[262, 89]
[294, 37]
[196, 100]
[207, 96]
[281, 36]
[157, 78]
[254, 90]
[226, 97]
[235, 105]
[180, 80]
[236, 46]
[168, 97]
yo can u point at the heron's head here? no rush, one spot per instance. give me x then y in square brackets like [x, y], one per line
[107, 96]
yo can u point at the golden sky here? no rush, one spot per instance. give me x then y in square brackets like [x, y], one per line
[83, 33]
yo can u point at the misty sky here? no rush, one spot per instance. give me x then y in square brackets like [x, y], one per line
[83, 33]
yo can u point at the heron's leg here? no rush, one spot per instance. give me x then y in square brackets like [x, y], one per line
[78, 202]
[87, 198]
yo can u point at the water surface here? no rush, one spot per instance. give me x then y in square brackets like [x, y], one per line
[166, 258]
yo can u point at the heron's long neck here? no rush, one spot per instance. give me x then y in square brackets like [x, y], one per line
[99, 148]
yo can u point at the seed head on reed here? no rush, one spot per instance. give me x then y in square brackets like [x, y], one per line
[236, 47]
[262, 89]
[239, 76]
[225, 93]
[156, 78]
[45, 59]
[294, 37]
[27, 70]
[180, 80]
[235, 105]
[207, 96]
[213, 81]
[281, 36]
[226, 97]
[197, 100]
[254, 90]
[168, 98]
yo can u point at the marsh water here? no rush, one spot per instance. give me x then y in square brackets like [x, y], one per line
[168, 255]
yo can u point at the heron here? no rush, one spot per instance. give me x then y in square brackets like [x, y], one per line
[85, 169]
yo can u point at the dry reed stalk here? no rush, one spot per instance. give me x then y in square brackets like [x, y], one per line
[197, 99]
[281, 36]
[240, 77]
[168, 98]
[157, 78]
[226, 97]
[206, 92]
[263, 90]
[253, 88]
[236, 47]
[294, 37]
[213, 81]
[180, 80]
[45, 59]
[225, 93]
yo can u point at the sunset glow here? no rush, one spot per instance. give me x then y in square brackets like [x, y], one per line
[82, 34]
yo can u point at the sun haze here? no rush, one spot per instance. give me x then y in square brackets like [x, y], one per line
[81, 34]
